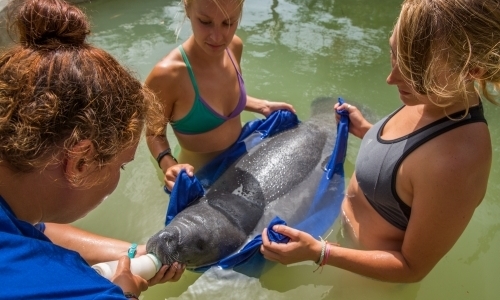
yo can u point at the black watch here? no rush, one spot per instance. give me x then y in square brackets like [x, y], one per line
[163, 154]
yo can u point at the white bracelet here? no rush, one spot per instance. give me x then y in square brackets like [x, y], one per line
[322, 255]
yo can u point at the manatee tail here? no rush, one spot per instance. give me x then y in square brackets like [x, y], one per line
[322, 105]
[323, 113]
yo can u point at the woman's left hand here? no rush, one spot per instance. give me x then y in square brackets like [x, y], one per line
[301, 247]
[167, 273]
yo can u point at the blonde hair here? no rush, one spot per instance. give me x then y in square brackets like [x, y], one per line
[187, 3]
[464, 34]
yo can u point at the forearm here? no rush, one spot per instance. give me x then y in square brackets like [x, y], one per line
[156, 145]
[256, 105]
[92, 247]
[364, 129]
[388, 266]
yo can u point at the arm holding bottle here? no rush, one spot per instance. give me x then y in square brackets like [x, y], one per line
[96, 248]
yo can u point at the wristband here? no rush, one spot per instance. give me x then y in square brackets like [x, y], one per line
[132, 250]
[164, 153]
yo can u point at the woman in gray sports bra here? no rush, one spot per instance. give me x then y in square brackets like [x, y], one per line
[422, 170]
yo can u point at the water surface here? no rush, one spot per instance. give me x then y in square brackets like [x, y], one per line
[295, 51]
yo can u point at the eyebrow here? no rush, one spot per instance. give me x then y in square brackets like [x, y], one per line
[230, 18]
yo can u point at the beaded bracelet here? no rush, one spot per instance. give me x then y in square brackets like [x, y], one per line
[130, 295]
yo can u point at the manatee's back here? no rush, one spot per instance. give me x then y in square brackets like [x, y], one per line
[276, 166]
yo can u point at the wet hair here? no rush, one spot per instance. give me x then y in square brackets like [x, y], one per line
[464, 34]
[57, 90]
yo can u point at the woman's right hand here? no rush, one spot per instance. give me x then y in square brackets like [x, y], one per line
[301, 246]
[172, 173]
[358, 125]
[127, 281]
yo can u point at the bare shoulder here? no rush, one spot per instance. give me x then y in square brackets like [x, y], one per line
[166, 73]
[450, 174]
[236, 47]
[462, 152]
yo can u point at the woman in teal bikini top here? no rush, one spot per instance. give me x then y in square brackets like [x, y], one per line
[202, 118]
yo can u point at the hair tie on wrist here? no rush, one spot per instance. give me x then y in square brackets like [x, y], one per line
[132, 250]
[130, 295]
[327, 254]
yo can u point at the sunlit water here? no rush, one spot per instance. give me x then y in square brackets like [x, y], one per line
[295, 51]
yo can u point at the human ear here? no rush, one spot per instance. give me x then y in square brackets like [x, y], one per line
[476, 73]
[78, 162]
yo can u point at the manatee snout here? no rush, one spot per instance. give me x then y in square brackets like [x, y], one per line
[164, 244]
[188, 245]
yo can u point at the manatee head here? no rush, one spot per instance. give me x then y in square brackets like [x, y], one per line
[189, 245]
[199, 235]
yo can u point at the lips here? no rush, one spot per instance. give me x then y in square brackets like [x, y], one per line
[214, 47]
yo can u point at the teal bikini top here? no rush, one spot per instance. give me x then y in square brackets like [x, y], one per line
[202, 118]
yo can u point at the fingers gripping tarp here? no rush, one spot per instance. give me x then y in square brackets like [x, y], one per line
[322, 212]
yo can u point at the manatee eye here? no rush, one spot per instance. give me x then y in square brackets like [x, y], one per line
[200, 244]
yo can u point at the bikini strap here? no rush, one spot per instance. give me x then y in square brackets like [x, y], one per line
[232, 61]
[190, 70]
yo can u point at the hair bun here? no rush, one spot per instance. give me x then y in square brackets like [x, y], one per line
[51, 24]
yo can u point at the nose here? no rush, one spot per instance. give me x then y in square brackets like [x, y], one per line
[216, 34]
[394, 76]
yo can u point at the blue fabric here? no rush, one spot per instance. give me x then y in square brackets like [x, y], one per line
[186, 190]
[331, 189]
[249, 260]
[32, 267]
[323, 211]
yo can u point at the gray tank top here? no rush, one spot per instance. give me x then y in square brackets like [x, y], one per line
[378, 162]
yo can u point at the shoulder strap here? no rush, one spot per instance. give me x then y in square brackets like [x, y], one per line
[232, 61]
[190, 69]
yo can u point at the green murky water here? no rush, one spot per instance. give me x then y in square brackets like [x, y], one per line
[295, 51]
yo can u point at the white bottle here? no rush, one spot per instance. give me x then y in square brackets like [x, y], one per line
[145, 266]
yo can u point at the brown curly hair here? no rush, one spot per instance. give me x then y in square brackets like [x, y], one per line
[465, 34]
[56, 90]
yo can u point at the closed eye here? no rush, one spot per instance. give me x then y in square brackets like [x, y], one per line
[204, 22]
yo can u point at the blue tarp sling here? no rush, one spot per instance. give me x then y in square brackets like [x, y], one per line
[322, 213]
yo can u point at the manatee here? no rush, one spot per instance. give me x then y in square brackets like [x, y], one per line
[243, 200]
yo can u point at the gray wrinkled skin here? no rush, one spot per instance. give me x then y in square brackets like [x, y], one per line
[219, 223]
